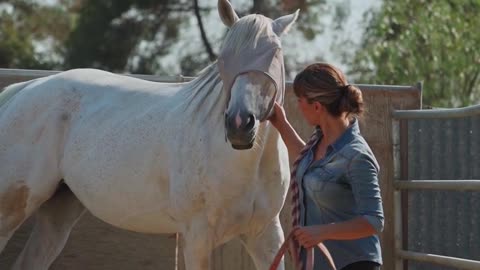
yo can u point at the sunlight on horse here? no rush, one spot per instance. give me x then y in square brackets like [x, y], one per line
[152, 157]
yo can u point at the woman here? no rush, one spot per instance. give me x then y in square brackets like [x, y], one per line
[337, 173]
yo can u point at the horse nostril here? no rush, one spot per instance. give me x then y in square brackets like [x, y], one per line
[226, 120]
[250, 122]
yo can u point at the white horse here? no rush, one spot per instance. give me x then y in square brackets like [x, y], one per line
[152, 157]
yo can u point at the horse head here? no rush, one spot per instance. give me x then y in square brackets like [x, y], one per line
[252, 70]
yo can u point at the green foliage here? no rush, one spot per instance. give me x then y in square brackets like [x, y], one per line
[309, 23]
[122, 35]
[436, 42]
[14, 49]
[25, 25]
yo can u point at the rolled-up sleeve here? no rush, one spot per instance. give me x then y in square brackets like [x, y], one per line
[363, 177]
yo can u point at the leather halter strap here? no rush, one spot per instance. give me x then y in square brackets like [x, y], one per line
[289, 242]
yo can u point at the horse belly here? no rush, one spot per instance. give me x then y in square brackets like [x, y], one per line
[122, 204]
[147, 216]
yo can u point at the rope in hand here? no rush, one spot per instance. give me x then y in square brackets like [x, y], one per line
[310, 258]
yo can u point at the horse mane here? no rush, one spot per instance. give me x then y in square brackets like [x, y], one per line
[207, 84]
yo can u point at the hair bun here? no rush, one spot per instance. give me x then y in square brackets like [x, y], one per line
[352, 100]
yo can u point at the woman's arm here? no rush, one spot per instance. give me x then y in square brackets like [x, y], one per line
[291, 138]
[355, 228]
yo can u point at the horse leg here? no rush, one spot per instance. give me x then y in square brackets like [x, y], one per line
[54, 221]
[198, 245]
[7, 228]
[263, 246]
[14, 209]
[4, 240]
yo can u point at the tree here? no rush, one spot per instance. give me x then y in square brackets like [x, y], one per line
[26, 26]
[137, 36]
[126, 35]
[436, 42]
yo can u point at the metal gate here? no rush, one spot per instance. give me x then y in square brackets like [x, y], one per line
[404, 186]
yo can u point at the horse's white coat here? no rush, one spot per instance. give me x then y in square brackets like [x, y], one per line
[143, 156]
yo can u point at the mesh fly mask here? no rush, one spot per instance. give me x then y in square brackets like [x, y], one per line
[264, 57]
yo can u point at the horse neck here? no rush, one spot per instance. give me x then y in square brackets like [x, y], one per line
[203, 96]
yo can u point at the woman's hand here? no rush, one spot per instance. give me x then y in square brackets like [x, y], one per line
[309, 236]
[278, 116]
[292, 140]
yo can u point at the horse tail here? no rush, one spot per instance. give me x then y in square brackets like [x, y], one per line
[10, 91]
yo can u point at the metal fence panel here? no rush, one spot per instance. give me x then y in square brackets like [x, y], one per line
[444, 222]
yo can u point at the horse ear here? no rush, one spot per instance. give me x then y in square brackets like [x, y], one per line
[283, 24]
[227, 13]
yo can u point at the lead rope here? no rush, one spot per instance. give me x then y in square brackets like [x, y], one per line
[310, 261]
[295, 201]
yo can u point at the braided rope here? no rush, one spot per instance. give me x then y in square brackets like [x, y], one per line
[295, 202]
[310, 256]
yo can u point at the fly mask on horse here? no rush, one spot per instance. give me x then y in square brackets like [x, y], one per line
[252, 72]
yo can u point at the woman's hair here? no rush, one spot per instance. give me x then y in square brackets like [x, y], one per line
[327, 84]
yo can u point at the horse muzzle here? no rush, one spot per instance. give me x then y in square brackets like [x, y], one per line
[241, 130]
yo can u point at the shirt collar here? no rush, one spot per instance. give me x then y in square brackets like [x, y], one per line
[348, 135]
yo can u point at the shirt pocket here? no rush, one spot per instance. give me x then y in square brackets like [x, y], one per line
[327, 189]
[315, 179]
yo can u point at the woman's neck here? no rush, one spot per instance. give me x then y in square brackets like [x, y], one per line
[333, 128]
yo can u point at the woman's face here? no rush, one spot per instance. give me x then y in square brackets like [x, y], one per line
[309, 110]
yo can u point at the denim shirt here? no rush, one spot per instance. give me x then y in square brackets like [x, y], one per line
[341, 186]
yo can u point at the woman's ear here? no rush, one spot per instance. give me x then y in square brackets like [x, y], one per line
[318, 106]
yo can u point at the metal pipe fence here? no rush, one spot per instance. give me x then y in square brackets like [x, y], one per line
[402, 186]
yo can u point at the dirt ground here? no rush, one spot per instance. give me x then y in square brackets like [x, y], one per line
[95, 245]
